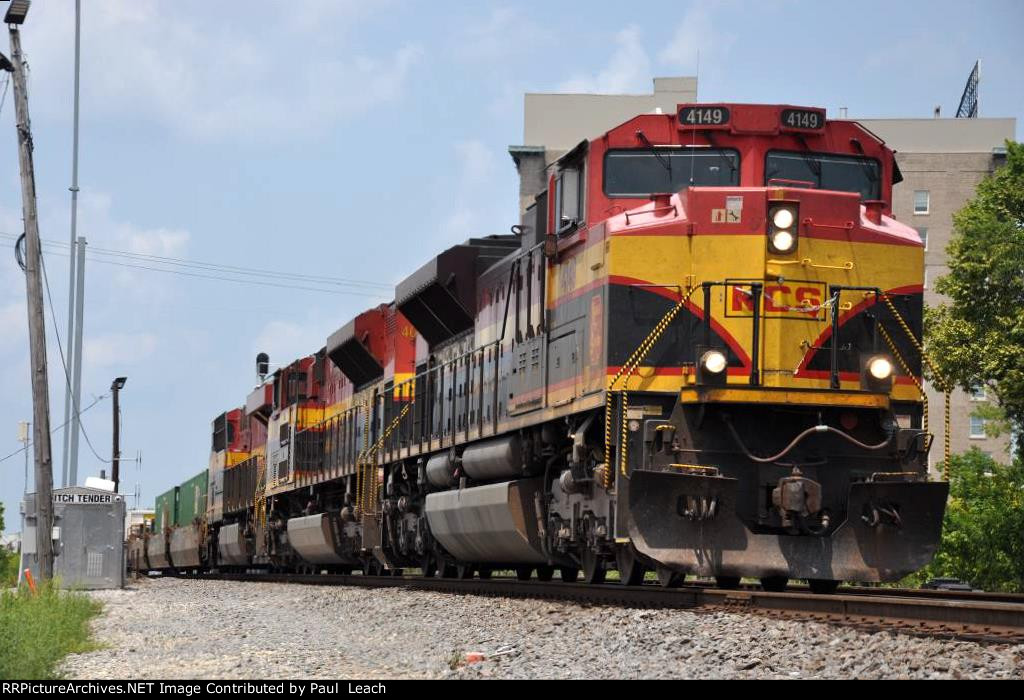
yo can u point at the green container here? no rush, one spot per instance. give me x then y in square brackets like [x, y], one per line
[192, 499]
[166, 509]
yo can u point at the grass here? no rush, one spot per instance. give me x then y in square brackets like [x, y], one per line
[38, 630]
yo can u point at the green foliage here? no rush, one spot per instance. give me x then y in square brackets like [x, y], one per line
[38, 630]
[8, 560]
[983, 528]
[979, 336]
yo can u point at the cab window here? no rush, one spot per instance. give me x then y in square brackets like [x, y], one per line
[661, 170]
[569, 198]
[824, 171]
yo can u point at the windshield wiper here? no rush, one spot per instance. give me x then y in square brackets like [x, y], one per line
[665, 162]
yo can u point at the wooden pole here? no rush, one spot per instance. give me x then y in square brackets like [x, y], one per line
[36, 323]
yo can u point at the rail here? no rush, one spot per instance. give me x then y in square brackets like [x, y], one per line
[993, 618]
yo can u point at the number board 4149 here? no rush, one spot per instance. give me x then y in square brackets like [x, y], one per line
[802, 119]
[704, 116]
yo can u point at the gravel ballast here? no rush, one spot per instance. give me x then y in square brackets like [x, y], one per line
[178, 628]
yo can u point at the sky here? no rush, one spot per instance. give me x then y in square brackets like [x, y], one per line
[351, 141]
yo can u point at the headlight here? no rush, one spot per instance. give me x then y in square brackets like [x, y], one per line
[782, 228]
[783, 241]
[783, 218]
[880, 368]
[714, 361]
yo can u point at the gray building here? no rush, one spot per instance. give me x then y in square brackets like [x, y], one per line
[942, 161]
[88, 537]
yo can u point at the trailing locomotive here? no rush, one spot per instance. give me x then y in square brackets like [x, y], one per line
[698, 354]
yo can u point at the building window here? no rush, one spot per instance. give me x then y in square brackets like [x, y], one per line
[977, 427]
[925, 285]
[923, 233]
[922, 200]
[978, 393]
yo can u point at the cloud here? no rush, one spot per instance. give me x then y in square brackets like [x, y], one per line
[475, 159]
[285, 341]
[218, 79]
[697, 41]
[628, 69]
[472, 203]
[505, 33]
[117, 349]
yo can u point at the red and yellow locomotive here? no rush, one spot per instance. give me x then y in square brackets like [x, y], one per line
[698, 354]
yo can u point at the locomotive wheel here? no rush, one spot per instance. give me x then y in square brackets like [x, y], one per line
[524, 573]
[631, 569]
[449, 571]
[544, 572]
[823, 586]
[670, 578]
[569, 574]
[428, 565]
[727, 582]
[774, 584]
[483, 573]
[464, 571]
[593, 567]
[373, 568]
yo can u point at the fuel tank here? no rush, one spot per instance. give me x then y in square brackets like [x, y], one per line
[232, 546]
[184, 547]
[491, 524]
[156, 552]
[318, 539]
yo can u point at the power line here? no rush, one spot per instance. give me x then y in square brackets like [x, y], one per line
[62, 425]
[63, 362]
[219, 267]
[257, 283]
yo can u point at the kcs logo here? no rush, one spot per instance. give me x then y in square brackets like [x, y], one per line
[789, 299]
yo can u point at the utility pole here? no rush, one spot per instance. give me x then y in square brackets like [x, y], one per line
[74, 354]
[34, 290]
[115, 454]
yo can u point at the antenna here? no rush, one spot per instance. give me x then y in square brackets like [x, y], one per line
[968, 108]
[696, 90]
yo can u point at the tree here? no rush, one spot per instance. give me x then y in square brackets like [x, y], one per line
[8, 560]
[983, 527]
[978, 338]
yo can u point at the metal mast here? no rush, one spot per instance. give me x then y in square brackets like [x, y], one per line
[73, 355]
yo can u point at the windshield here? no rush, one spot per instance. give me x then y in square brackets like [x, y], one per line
[643, 172]
[824, 171]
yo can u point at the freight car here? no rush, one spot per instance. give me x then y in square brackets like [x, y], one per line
[698, 354]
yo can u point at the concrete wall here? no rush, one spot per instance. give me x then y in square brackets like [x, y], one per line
[942, 135]
[558, 121]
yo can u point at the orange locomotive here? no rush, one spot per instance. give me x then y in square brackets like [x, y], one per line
[698, 354]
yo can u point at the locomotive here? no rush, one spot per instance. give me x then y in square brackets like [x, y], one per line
[698, 354]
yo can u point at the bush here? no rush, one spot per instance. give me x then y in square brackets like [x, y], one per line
[38, 630]
[983, 529]
[9, 562]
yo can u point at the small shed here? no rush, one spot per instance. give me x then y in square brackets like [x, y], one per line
[88, 537]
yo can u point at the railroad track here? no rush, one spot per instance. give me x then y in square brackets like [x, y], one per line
[974, 616]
